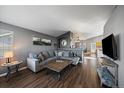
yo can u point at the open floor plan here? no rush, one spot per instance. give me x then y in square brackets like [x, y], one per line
[61, 46]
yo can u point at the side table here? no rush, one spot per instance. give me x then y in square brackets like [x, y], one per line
[9, 65]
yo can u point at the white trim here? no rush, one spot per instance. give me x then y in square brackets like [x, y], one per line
[89, 57]
[6, 34]
[4, 74]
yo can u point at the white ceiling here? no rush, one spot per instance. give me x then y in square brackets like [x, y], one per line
[56, 20]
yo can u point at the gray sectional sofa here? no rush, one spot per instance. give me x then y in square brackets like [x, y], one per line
[34, 64]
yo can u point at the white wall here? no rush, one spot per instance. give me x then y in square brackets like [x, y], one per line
[115, 25]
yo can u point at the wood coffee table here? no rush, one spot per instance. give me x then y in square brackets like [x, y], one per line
[58, 66]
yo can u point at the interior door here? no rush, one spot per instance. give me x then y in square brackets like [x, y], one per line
[93, 47]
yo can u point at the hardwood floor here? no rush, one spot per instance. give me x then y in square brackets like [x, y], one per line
[82, 76]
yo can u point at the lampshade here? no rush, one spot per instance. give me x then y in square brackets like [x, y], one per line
[8, 54]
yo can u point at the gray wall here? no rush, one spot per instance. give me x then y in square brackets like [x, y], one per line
[23, 41]
[115, 25]
[92, 40]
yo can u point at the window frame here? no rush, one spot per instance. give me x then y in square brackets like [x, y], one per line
[8, 47]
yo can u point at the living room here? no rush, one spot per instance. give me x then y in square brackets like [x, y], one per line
[61, 46]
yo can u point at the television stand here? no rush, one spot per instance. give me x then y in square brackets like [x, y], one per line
[108, 72]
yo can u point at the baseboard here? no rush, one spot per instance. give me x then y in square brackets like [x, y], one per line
[23, 68]
[4, 74]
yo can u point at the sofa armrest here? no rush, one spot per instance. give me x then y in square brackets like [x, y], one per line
[33, 64]
[32, 59]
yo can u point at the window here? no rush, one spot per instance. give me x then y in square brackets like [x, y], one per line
[6, 43]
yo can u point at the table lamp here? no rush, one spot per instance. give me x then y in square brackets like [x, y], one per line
[8, 55]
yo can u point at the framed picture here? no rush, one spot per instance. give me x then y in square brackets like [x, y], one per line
[46, 42]
[39, 41]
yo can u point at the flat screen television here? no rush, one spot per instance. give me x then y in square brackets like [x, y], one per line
[109, 47]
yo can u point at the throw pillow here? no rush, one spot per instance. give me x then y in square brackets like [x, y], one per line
[71, 54]
[56, 53]
[40, 57]
[45, 55]
[60, 53]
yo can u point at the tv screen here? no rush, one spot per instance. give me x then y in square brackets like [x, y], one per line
[109, 47]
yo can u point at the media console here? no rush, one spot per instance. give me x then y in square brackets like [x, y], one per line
[108, 72]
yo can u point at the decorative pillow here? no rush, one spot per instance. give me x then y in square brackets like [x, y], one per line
[71, 54]
[45, 55]
[56, 53]
[41, 57]
[60, 53]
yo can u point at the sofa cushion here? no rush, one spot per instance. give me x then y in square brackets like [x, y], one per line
[66, 54]
[67, 58]
[49, 59]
